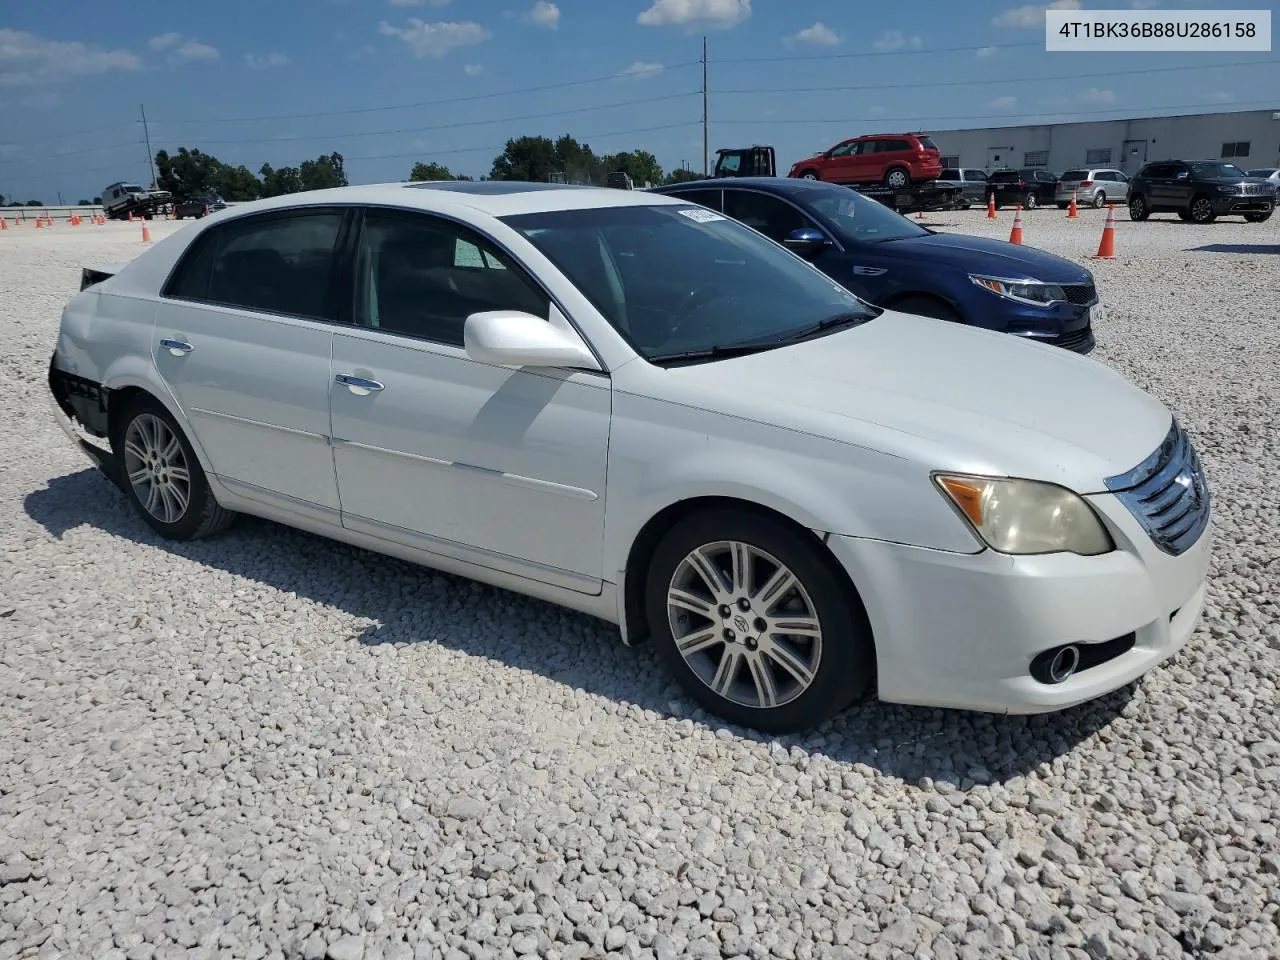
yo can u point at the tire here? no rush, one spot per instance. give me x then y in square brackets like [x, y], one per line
[1138, 209]
[1099, 200]
[927, 307]
[838, 661]
[810, 175]
[1184, 216]
[1257, 217]
[897, 178]
[1030, 201]
[1202, 210]
[144, 441]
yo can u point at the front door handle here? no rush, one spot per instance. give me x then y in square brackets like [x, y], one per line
[360, 386]
[179, 348]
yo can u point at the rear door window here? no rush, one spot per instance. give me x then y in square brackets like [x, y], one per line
[277, 263]
[775, 218]
[706, 198]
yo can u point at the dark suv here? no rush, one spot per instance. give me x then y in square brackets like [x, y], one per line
[197, 207]
[1028, 187]
[1199, 191]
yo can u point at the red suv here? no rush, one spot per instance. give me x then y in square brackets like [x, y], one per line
[894, 159]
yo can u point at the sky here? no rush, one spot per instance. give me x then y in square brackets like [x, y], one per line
[387, 83]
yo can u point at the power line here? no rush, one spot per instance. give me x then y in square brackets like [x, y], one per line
[933, 84]
[424, 103]
[821, 57]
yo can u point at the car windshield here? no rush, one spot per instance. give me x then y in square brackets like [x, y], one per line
[131, 188]
[1264, 172]
[1207, 170]
[855, 215]
[1076, 175]
[677, 280]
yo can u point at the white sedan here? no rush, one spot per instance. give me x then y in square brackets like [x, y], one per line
[635, 407]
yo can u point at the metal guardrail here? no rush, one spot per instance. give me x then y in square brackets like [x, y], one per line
[58, 212]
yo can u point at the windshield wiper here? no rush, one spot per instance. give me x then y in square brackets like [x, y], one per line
[836, 322]
[714, 352]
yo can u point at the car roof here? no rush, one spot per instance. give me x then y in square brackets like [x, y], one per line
[498, 198]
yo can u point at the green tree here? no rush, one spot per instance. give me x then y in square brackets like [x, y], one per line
[640, 165]
[188, 173]
[82, 203]
[97, 201]
[276, 183]
[322, 173]
[237, 184]
[578, 162]
[681, 175]
[526, 158]
[34, 203]
[434, 171]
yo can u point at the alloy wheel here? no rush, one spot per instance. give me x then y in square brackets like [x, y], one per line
[157, 468]
[744, 624]
[1202, 211]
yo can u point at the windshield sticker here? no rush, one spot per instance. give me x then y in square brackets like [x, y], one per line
[701, 215]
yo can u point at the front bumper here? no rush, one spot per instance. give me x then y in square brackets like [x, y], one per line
[1222, 206]
[960, 630]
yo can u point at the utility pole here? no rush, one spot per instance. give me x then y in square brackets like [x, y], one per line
[147, 135]
[706, 140]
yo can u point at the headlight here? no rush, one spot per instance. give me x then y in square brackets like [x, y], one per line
[1026, 291]
[1228, 188]
[1026, 516]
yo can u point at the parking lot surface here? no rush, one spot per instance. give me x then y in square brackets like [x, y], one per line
[270, 745]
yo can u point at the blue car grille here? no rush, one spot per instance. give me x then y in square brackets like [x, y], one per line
[1167, 493]
[1081, 294]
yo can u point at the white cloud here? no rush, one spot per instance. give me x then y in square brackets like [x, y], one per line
[819, 34]
[436, 39]
[164, 41]
[544, 14]
[1003, 103]
[256, 62]
[1095, 97]
[983, 52]
[194, 50]
[26, 59]
[473, 69]
[1031, 15]
[641, 70]
[720, 14]
[892, 40]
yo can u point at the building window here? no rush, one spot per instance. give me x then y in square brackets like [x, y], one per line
[951, 161]
[1238, 149]
[1097, 158]
[1035, 158]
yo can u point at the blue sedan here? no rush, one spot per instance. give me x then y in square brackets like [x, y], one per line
[893, 262]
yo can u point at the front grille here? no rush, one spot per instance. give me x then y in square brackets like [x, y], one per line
[1167, 493]
[1255, 190]
[1081, 294]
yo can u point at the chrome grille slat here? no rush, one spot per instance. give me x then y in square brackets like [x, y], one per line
[1166, 493]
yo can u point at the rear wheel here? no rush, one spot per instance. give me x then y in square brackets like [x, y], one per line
[1202, 210]
[1099, 200]
[755, 622]
[897, 178]
[162, 477]
[1138, 209]
[1030, 201]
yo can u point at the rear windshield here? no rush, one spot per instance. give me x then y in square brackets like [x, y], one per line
[1076, 175]
[928, 144]
[1009, 177]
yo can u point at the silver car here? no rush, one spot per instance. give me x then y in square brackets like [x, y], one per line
[1096, 187]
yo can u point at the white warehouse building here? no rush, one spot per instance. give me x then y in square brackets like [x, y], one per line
[1248, 138]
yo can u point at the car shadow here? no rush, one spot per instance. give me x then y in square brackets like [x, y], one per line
[911, 743]
[1246, 248]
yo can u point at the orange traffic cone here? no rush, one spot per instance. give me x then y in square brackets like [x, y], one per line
[991, 206]
[39, 223]
[206, 210]
[1071, 210]
[1015, 235]
[4, 224]
[146, 234]
[1107, 248]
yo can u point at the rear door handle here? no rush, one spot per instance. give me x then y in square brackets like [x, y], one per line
[360, 386]
[179, 348]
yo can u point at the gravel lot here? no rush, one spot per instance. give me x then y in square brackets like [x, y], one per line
[267, 745]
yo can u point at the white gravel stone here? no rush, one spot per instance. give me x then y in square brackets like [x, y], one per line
[266, 745]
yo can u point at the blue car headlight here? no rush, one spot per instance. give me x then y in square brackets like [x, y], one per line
[1025, 291]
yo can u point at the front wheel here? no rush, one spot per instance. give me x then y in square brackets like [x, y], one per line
[809, 175]
[755, 622]
[1138, 209]
[1202, 210]
[1099, 200]
[162, 477]
[1030, 201]
[897, 179]
[1257, 217]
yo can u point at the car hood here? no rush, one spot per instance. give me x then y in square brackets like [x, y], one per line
[944, 395]
[1009, 261]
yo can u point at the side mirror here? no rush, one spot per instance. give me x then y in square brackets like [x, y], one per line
[805, 241]
[511, 338]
